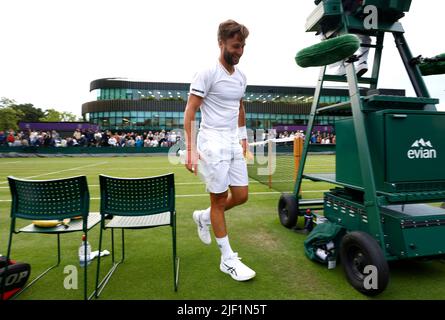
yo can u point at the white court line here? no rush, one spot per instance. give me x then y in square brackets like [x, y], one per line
[206, 194]
[10, 162]
[202, 183]
[55, 172]
[250, 193]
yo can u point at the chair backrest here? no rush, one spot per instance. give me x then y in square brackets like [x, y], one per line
[49, 199]
[137, 196]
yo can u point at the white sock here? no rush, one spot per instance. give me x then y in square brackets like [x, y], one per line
[224, 246]
[205, 216]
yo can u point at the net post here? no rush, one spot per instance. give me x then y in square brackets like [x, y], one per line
[298, 151]
[269, 162]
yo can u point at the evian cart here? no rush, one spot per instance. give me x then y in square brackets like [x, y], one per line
[390, 155]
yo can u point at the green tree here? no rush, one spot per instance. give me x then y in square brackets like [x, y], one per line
[51, 115]
[30, 113]
[54, 115]
[9, 118]
[6, 102]
[69, 117]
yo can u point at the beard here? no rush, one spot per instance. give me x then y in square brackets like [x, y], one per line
[229, 58]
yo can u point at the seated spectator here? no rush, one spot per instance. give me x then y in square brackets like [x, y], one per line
[77, 134]
[112, 141]
[313, 138]
[97, 138]
[154, 143]
[10, 138]
[139, 142]
[83, 141]
[130, 142]
[24, 142]
[17, 142]
[172, 138]
[2, 138]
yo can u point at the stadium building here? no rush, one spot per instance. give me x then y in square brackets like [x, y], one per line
[123, 105]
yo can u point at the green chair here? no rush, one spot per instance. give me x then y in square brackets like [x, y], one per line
[56, 199]
[136, 203]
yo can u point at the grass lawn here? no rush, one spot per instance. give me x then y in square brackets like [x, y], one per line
[274, 252]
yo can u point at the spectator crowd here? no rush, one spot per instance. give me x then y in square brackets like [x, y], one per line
[317, 137]
[89, 139]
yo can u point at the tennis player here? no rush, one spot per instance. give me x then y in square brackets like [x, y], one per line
[218, 154]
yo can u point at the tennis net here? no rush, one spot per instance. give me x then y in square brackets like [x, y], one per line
[274, 162]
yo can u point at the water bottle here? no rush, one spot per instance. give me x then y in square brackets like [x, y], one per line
[332, 262]
[322, 254]
[82, 252]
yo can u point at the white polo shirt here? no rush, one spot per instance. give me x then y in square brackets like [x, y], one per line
[222, 93]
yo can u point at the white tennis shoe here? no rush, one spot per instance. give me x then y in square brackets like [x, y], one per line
[236, 269]
[203, 228]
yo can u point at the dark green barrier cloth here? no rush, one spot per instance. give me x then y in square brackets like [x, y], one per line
[321, 235]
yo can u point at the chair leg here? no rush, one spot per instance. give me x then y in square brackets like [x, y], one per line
[8, 255]
[98, 260]
[40, 275]
[175, 258]
[85, 269]
[104, 282]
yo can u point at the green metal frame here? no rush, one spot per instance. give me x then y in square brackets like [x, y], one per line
[135, 197]
[372, 199]
[43, 200]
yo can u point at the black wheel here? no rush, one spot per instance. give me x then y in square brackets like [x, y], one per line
[288, 210]
[364, 263]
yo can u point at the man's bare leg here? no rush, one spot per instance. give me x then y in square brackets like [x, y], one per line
[230, 262]
[220, 202]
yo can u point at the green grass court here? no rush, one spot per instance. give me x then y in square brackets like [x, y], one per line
[274, 252]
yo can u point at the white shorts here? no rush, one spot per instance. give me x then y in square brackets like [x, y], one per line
[221, 162]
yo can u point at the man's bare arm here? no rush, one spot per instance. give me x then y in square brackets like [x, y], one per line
[193, 104]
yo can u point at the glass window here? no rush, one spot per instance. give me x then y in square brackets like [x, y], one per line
[104, 122]
[129, 94]
[155, 123]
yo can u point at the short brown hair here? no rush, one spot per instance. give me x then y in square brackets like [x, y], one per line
[229, 28]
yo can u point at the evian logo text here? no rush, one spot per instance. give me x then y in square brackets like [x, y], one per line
[422, 150]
